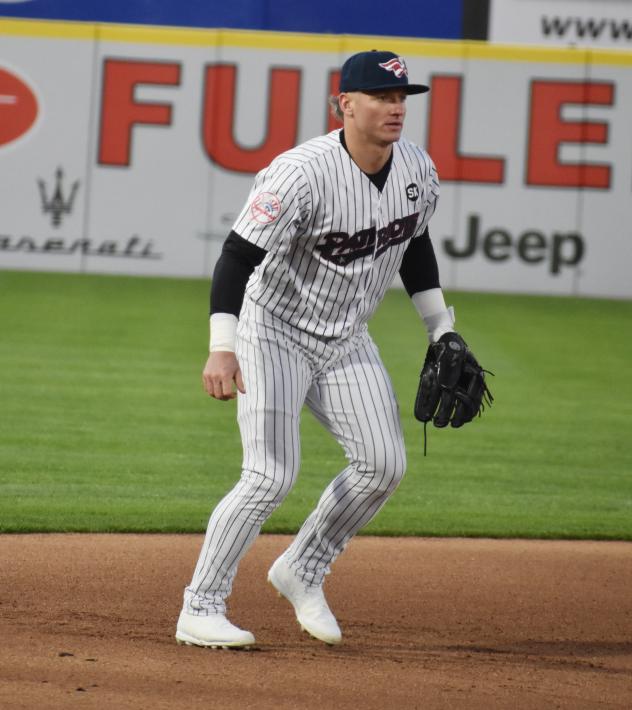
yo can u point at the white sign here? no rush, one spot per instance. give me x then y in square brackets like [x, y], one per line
[582, 23]
[132, 150]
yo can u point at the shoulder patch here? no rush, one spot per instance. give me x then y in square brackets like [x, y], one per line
[265, 208]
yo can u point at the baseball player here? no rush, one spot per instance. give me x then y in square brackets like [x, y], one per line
[326, 228]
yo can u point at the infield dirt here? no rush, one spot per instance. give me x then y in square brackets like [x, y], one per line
[87, 621]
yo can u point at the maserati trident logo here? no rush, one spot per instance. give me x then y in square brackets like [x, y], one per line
[57, 205]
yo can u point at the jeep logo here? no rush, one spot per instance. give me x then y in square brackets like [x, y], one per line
[531, 246]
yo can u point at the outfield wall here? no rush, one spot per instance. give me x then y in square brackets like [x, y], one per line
[127, 149]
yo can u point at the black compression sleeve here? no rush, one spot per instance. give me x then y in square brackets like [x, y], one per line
[419, 270]
[238, 260]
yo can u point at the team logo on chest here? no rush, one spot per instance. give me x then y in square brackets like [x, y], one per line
[342, 248]
[412, 191]
[265, 208]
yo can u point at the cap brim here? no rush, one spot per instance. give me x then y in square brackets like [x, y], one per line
[406, 88]
[417, 89]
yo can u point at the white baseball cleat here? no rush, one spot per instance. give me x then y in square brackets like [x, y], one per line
[214, 631]
[310, 605]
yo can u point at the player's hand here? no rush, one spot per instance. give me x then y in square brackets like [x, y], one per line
[219, 374]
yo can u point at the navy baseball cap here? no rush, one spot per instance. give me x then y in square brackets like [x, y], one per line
[372, 71]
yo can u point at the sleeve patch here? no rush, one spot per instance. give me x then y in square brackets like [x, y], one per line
[265, 208]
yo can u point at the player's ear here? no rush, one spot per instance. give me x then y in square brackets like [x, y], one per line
[346, 104]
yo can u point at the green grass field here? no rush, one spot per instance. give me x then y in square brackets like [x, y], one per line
[105, 426]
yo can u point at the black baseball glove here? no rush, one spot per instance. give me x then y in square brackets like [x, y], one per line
[452, 388]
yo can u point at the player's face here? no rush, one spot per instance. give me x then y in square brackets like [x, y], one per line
[378, 116]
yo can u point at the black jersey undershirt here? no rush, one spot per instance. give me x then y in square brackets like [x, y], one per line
[379, 178]
[239, 258]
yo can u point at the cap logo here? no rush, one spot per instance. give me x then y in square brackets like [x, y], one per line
[397, 66]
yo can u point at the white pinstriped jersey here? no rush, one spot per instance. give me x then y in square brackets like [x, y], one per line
[334, 241]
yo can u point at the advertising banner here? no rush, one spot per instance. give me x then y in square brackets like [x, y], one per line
[131, 150]
[579, 23]
[422, 18]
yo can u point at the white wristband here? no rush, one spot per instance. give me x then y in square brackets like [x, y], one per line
[438, 318]
[223, 328]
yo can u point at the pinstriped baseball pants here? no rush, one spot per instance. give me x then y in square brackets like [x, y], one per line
[345, 385]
